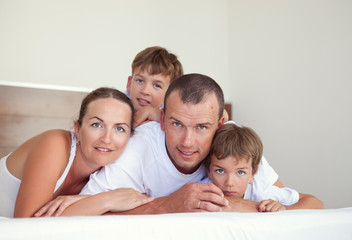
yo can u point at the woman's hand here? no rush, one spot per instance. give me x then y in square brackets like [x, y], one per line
[57, 206]
[270, 206]
[123, 199]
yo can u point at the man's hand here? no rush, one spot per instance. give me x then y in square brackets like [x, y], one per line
[196, 197]
[192, 197]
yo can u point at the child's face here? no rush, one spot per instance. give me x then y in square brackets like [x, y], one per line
[231, 175]
[146, 89]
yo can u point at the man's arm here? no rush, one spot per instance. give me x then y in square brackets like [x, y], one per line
[192, 197]
[307, 201]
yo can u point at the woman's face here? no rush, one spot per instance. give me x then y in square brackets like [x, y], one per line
[104, 132]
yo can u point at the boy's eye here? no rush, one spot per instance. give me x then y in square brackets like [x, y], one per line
[220, 171]
[157, 85]
[240, 172]
[138, 80]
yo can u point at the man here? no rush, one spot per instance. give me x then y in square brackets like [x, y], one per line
[165, 160]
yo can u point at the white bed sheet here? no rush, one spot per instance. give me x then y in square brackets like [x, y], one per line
[294, 224]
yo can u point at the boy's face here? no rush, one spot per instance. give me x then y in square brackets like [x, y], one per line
[231, 175]
[146, 89]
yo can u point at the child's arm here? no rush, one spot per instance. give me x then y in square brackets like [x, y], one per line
[270, 206]
[146, 114]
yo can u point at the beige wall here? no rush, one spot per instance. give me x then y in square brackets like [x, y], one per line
[291, 77]
[92, 43]
[285, 66]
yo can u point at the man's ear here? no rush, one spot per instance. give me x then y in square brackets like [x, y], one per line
[162, 120]
[128, 86]
[221, 121]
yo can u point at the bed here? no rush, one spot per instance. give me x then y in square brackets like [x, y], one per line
[29, 110]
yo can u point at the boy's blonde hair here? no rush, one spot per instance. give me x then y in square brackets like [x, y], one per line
[157, 60]
[238, 142]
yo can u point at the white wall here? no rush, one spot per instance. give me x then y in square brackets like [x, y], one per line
[285, 65]
[92, 43]
[291, 74]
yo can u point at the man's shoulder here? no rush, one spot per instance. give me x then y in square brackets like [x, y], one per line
[149, 129]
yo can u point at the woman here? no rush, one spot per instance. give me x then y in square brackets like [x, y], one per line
[59, 162]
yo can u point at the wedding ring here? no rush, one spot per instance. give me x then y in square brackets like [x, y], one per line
[198, 205]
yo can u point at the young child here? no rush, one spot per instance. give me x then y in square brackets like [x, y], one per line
[153, 69]
[233, 160]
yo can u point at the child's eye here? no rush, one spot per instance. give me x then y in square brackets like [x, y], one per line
[240, 172]
[96, 125]
[157, 85]
[220, 171]
[138, 80]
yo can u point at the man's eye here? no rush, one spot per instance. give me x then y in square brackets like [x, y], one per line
[220, 171]
[202, 127]
[176, 124]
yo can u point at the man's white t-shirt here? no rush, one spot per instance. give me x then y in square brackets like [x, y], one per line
[146, 167]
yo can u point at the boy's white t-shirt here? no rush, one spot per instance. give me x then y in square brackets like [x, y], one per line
[146, 167]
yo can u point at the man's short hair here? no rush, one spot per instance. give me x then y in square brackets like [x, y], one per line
[194, 88]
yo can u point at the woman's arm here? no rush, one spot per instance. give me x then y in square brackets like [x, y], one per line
[46, 157]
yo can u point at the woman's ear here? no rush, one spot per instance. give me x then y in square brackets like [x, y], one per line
[77, 129]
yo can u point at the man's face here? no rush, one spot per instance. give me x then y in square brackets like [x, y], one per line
[146, 89]
[189, 130]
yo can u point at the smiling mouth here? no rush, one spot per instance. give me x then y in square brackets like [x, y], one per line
[103, 149]
[143, 102]
[186, 154]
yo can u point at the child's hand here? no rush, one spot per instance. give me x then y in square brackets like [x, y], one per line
[146, 114]
[270, 206]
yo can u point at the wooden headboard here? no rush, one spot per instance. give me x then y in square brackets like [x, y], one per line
[28, 111]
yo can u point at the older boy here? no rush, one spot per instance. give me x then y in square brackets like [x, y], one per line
[153, 69]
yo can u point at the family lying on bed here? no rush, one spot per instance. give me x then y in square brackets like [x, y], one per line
[158, 168]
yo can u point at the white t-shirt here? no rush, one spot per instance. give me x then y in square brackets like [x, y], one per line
[146, 167]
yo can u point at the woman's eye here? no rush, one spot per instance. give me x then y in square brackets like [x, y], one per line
[96, 125]
[220, 171]
[120, 129]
